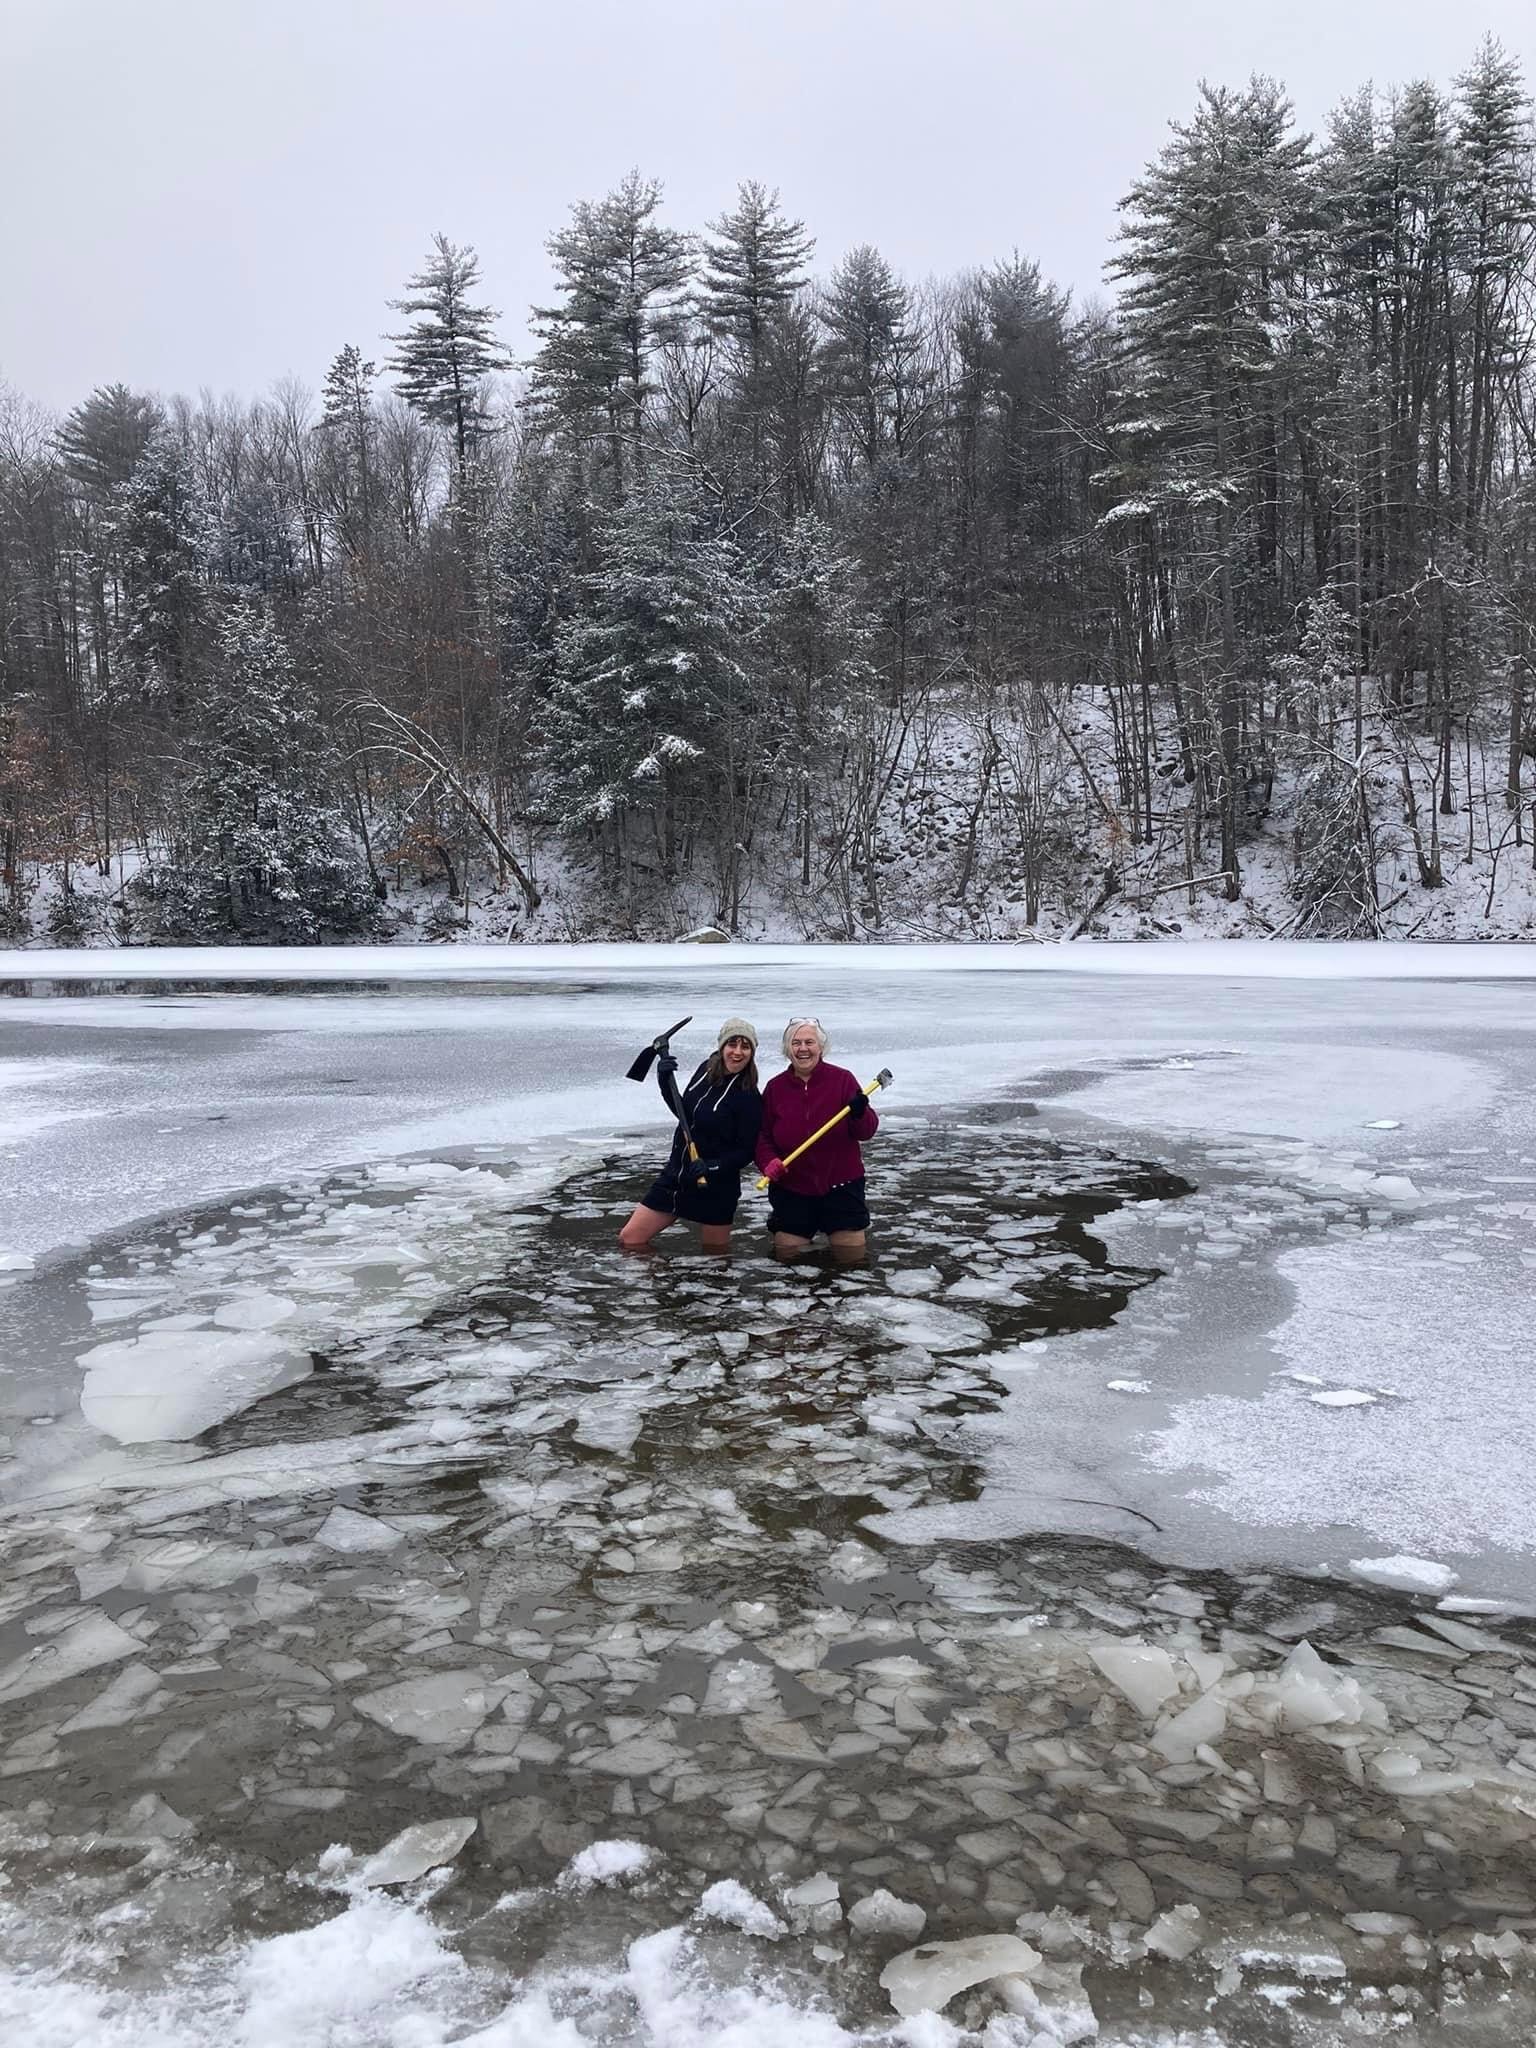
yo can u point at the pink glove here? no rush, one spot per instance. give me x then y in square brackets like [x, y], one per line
[775, 1169]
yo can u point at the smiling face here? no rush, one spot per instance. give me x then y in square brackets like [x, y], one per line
[737, 1053]
[805, 1050]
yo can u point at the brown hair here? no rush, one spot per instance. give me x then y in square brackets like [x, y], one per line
[715, 1068]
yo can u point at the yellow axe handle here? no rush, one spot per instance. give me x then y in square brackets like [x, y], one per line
[831, 1124]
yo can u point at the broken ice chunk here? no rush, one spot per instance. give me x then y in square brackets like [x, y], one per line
[732, 1905]
[84, 1644]
[174, 1384]
[124, 1699]
[1177, 1933]
[1402, 1772]
[444, 1709]
[1203, 1722]
[150, 1818]
[1344, 1397]
[740, 1687]
[604, 1863]
[882, 1913]
[416, 1850]
[924, 1979]
[815, 1906]
[254, 1311]
[915, 1280]
[1312, 1694]
[347, 1531]
[1141, 1671]
[1404, 1574]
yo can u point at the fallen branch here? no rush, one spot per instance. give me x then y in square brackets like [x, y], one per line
[1107, 888]
[412, 742]
[1183, 882]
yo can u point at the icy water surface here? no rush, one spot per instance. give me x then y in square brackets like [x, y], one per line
[591, 1550]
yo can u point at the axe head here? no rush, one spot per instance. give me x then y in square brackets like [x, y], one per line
[643, 1062]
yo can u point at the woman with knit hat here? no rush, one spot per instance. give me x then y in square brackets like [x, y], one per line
[722, 1108]
[823, 1192]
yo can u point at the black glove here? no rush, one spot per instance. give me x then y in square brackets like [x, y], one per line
[702, 1169]
[858, 1102]
[666, 1063]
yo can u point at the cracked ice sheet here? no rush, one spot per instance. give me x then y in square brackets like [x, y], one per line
[1320, 1092]
[33, 1096]
[312, 1265]
[527, 1062]
[1443, 1470]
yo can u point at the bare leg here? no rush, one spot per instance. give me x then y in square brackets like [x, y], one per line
[847, 1246]
[642, 1226]
[787, 1247]
[715, 1237]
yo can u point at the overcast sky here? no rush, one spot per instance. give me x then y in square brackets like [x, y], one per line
[218, 192]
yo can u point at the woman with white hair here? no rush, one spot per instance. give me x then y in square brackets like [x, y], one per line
[823, 1192]
[722, 1106]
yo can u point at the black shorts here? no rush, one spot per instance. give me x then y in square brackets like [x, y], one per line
[840, 1208]
[715, 1203]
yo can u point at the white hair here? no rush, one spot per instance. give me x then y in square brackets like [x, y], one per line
[794, 1025]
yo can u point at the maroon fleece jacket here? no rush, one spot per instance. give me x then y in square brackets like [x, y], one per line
[793, 1108]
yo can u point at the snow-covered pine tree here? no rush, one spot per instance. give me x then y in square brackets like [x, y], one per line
[1496, 237]
[621, 274]
[259, 848]
[1333, 871]
[444, 357]
[348, 438]
[104, 439]
[870, 354]
[1210, 242]
[646, 729]
[754, 268]
[164, 534]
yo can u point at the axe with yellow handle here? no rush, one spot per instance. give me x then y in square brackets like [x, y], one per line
[881, 1080]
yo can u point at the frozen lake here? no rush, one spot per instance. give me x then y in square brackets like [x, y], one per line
[353, 1481]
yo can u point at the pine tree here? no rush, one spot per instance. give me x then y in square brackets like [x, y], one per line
[259, 850]
[444, 357]
[651, 682]
[1496, 208]
[103, 440]
[869, 356]
[164, 532]
[348, 433]
[1210, 241]
[754, 262]
[1010, 391]
[621, 273]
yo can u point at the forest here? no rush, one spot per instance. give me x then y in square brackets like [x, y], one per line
[825, 602]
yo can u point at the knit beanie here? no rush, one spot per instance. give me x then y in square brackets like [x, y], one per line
[735, 1027]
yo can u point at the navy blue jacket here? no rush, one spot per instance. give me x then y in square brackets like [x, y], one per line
[724, 1118]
